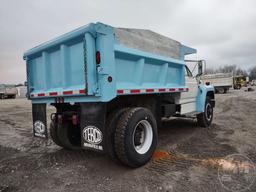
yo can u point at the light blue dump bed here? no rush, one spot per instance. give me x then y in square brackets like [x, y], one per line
[132, 61]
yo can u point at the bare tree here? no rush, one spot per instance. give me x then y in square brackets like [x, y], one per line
[252, 73]
[232, 69]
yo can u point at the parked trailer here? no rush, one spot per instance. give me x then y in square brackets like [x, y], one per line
[22, 91]
[111, 87]
[222, 82]
[8, 91]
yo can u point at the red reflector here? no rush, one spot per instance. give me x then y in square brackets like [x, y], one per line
[67, 92]
[41, 94]
[149, 90]
[97, 57]
[135, 91]
[82, 91]
[120, 91]
[74, 119]
[32, 95]
[161, 90]
[53, 93]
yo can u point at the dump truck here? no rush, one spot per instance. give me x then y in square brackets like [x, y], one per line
[221, 82]
[239, 81]
[111, 87]
[8, 91]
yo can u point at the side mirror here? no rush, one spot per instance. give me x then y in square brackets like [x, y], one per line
[25, 83]
[200, 68]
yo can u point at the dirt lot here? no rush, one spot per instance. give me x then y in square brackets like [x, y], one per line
[185, 159]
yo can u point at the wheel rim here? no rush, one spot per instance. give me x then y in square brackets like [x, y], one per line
[208, 111]
[142, 137]
[221, 90]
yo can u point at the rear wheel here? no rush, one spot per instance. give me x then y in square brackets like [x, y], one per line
[205, 119]
[136, 137]
[54, 134]
[69, 135]
[111, 123]
[1, 96]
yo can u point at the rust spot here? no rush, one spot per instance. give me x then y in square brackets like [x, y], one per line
[160, 155]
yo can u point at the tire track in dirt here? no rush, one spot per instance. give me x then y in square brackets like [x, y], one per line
[189, 162]
[203, 148]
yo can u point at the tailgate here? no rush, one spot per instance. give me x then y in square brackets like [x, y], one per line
[60, 68]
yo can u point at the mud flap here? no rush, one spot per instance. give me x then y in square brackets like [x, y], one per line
[92, 123]
[39, 120]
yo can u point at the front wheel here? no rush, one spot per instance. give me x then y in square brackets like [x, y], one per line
[205, 119]
[136, 137]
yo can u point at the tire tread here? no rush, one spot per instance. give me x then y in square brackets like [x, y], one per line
[120, 136]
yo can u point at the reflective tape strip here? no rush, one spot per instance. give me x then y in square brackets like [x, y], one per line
[160, 90]
[53, 93]
[82, 91]
[135, 91]
[150, 90]
[64, 93]
[67, 92]
[41, 94]
[120, 91]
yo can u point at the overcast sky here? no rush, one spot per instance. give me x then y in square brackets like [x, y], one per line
[223, 31]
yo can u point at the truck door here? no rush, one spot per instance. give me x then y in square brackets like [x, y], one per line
[188, 99]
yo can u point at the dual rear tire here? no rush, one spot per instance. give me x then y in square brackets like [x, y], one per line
[65, 135]
[133, 136]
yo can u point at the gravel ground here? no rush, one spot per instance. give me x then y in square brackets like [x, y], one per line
[186, 158]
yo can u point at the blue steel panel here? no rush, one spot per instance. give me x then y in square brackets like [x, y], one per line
[175, 75]
[90, 68]
[124, 67]
[76, 62]
[37, 72]
[65, 67]
[151, 73]
[63, 64]
[105, 44]
[140, 70]
[54, 66]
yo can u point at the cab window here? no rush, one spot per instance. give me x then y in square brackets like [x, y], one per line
[188, 72]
